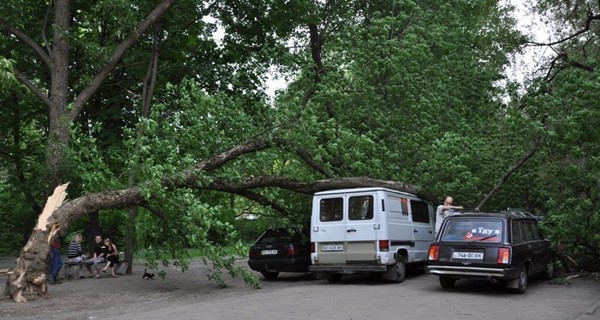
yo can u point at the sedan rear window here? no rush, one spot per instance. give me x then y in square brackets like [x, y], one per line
[473, 230]
[274, 236]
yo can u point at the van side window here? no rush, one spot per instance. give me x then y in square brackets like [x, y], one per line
[331, 209]
[420, 211]
[360, 208]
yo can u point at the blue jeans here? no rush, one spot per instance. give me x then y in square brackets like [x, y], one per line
[56, 263]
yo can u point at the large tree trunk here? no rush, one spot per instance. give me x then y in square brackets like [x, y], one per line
[28, 280]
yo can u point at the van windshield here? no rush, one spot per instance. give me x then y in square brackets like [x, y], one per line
[483, 230]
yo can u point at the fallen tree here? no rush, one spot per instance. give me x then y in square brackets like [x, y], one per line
[28, 280]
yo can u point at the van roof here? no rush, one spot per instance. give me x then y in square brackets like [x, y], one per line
[366, 189]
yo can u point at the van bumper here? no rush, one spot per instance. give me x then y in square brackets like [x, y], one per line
[346, 269]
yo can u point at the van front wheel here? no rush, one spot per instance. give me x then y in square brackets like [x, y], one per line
[396, 272]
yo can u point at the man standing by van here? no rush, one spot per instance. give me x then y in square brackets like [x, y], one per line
[443, 211]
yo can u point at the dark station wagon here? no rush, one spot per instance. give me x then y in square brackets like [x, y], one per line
[276, 250]
[505, 248]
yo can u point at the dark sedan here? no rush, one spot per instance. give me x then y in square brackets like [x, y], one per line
[276, 250]
[504, 248]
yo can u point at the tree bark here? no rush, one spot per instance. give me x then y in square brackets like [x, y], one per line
[28, 280]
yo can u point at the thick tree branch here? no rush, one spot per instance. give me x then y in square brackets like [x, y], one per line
[118, 199]
[311, 187]
[89, 91]
[585, 29]
[189, 177]
[151, 73]
[27, 40]
[258, 198]
[154, 211]
[304, 156]
[33, 88]
[510, 171]
[316, 48]
[45, 28]
[308, 159]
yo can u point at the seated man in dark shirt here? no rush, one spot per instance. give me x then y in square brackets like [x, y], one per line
[98, 258]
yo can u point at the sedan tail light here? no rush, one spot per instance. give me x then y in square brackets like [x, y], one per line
[434, 253]
[313, 247]
[503, 256]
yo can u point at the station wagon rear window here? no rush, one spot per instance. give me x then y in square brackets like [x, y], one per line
[481, 230]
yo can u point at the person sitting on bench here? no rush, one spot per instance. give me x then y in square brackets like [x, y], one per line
[75, 254]
[112, 256]
[98, 258]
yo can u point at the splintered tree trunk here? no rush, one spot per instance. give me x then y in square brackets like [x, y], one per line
[28, 280]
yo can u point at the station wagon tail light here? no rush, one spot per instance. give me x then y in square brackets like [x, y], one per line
[384, 245]
[434, 253]
[292, 250]
[503, 256]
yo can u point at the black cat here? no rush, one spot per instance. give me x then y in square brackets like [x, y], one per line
[149, 276]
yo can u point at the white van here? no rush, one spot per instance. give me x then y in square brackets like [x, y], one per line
[372, 230]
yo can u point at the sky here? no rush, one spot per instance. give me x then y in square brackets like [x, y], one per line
[526, 65]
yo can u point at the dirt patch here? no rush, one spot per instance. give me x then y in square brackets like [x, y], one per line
[95, 298]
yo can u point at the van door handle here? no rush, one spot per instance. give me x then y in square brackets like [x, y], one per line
[351, 230]
[415, 231]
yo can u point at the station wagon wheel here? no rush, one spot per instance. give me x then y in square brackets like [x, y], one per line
[522, 280]
[447, 283]
[270, 275]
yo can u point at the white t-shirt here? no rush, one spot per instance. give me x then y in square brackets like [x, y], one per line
[440, 215]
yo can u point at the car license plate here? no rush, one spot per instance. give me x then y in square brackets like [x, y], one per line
[468, 255]
[332, 247]
[269, 252]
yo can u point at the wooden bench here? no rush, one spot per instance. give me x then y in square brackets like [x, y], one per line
[120, 268]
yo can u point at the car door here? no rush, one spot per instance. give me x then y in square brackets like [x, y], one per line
[540, 251]
[518, 243]
[361, 231]
[422, 229]
[330, 229]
